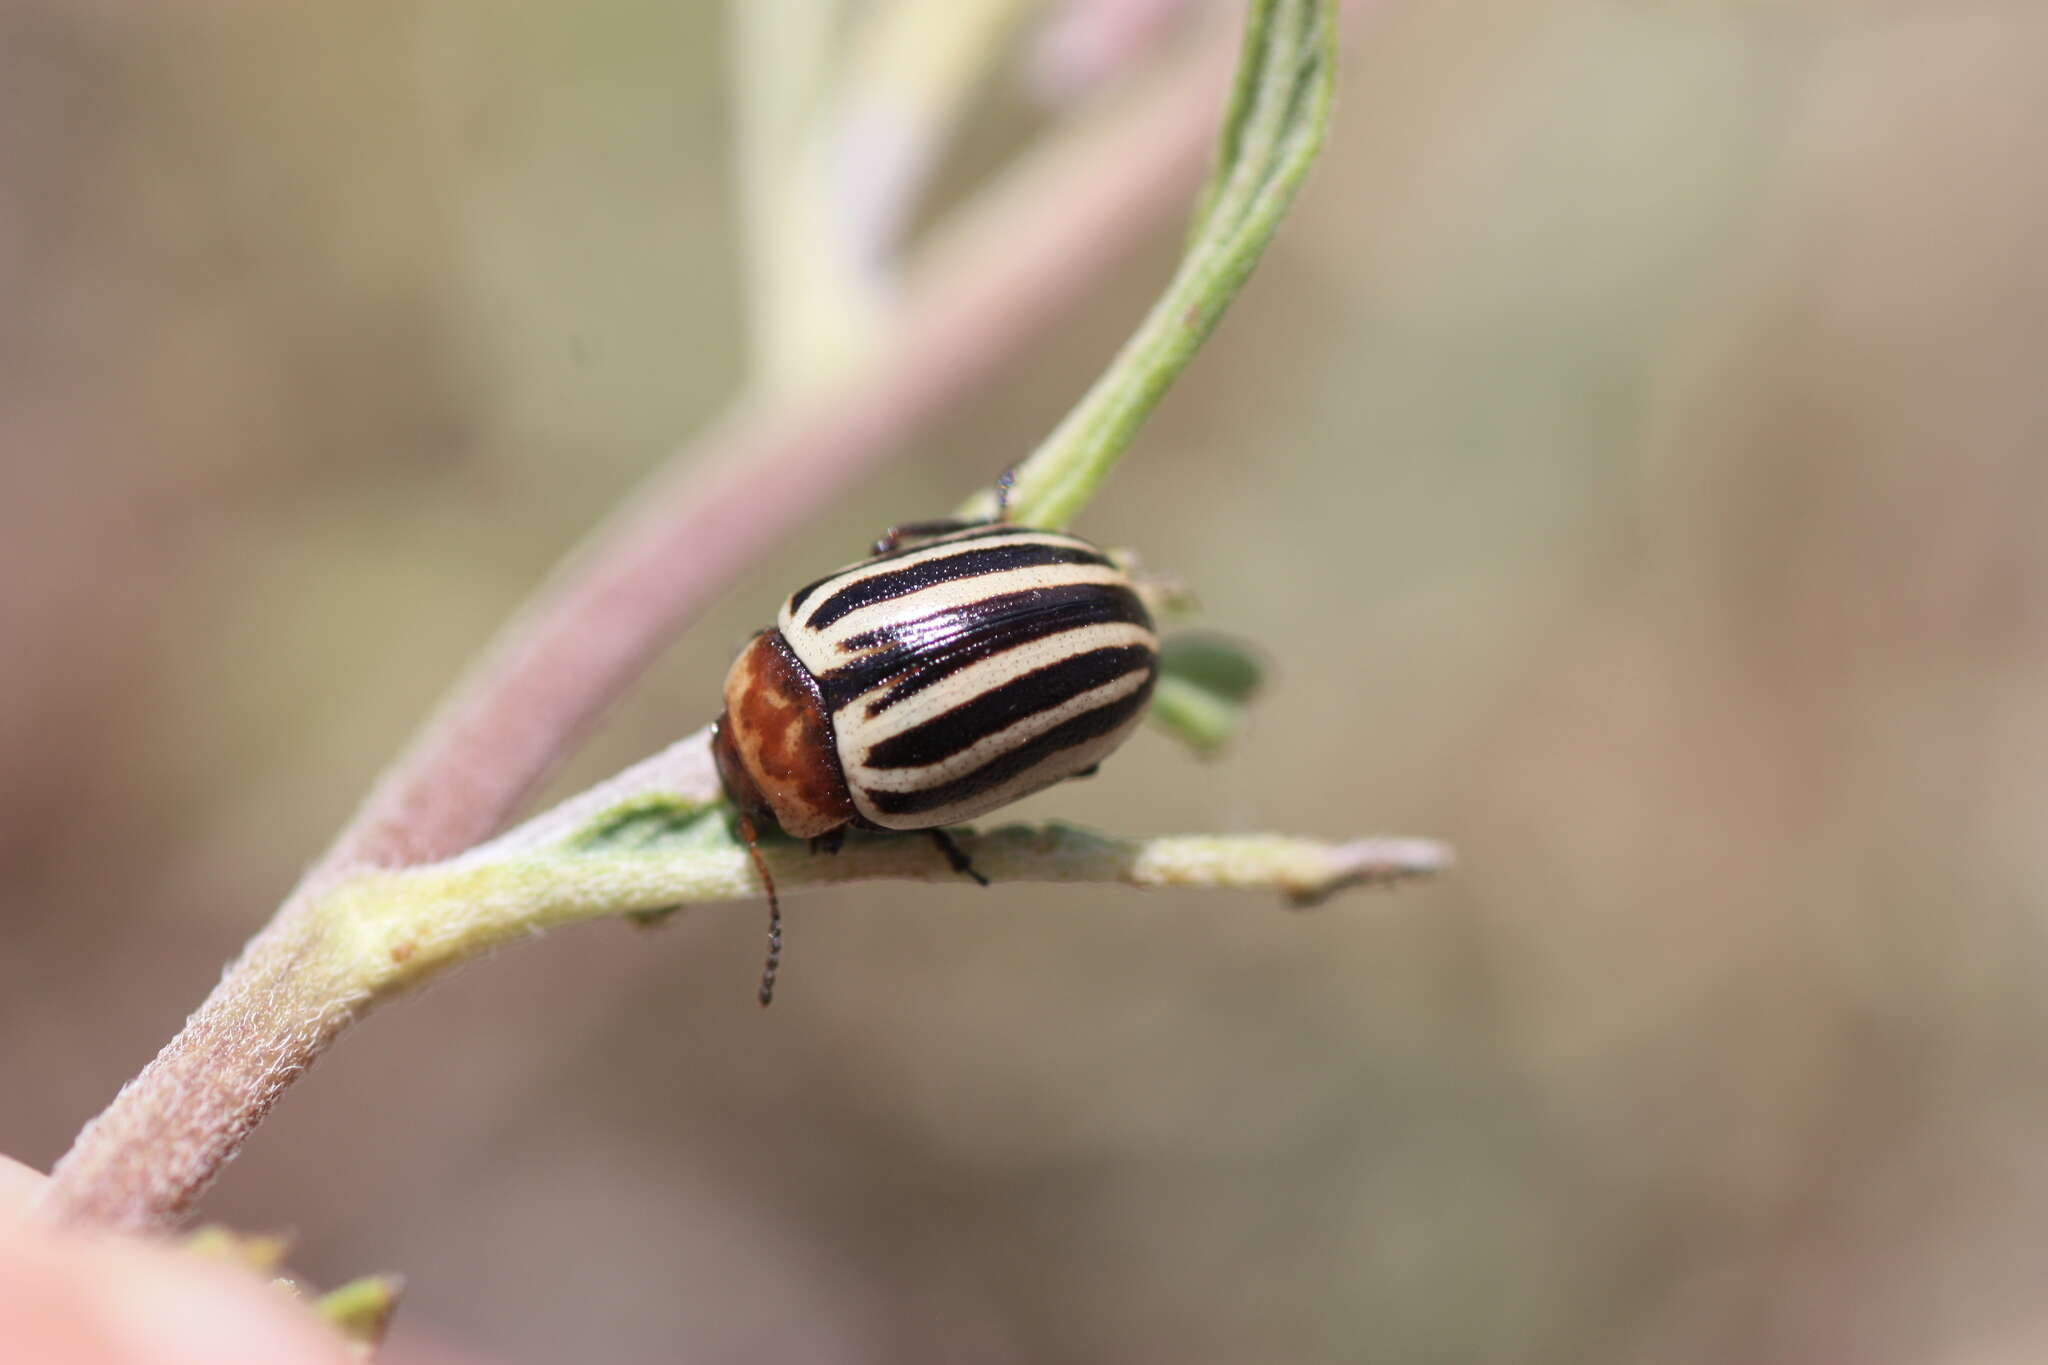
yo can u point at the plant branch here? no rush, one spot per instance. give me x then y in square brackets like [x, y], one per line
[659, 837]
[808, 310]
[1279, 111]
[913, 69]
[655, 837]
[998, 278]
[997, 275]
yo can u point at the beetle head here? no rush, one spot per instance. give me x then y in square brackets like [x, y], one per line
[774, 747]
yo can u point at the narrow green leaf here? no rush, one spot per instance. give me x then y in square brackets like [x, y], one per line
[1274, 125]
[1201, 720]
[1214, 663]
[658, 836]
[1204, 683]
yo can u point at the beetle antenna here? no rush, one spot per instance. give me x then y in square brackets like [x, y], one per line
[774, 962]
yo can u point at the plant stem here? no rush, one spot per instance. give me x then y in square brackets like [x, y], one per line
[807, 310]
[165, 1137]
[1279, 111]
[1001, 275]
[332, 955]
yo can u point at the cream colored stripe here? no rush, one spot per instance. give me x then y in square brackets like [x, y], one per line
[1056, 768]
[1001, 742]
[961, 592]
[860, 732]
[923, 554]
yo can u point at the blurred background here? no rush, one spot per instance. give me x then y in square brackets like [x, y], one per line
[1629, 459]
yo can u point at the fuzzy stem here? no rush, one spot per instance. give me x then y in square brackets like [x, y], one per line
[649, 840]
[165, 1137]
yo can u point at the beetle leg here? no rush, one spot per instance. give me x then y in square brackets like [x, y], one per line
[914, 530]
[954, 855]
[829, 841]
[918, 530]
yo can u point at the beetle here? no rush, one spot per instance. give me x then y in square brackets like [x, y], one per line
[962, 666]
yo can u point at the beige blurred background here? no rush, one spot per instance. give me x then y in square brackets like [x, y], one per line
[1630, 459]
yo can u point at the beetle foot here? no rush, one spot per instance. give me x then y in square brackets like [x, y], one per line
[954, 856]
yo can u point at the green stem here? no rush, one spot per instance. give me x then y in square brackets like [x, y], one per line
[389, 931]
[1278, 113]
[658, 836]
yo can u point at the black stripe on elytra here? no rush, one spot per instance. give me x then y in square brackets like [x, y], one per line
[1089, 725]
[925, 573]
[1027, 694]
[801, 595]
[914, 655]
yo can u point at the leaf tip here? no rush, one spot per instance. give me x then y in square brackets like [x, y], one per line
[1375, 862]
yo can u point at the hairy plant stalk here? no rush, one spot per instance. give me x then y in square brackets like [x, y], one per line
[651, 839]
[317, 965]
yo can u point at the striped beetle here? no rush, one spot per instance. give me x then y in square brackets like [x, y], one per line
[963, 666]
